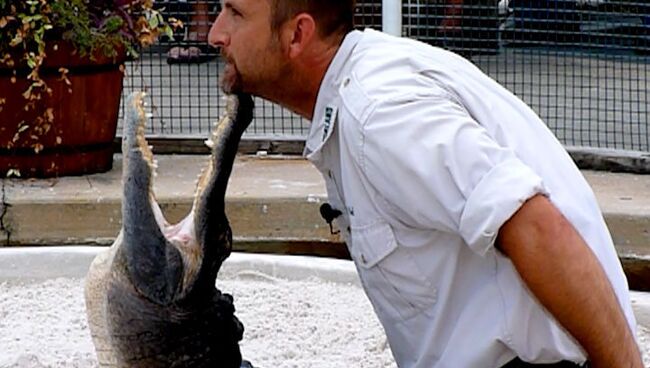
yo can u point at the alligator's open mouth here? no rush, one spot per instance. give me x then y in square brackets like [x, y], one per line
[203, 226]
[151, 299]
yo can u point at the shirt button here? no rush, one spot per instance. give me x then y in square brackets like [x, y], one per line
[363, 259]
[346, 81]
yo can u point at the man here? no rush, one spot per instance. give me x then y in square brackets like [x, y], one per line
[476, 239]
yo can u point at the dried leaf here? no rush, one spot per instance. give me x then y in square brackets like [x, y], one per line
[64, 76]
[49, 115]
[16, 41]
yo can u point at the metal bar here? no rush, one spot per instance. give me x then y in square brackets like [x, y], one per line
[391, 11]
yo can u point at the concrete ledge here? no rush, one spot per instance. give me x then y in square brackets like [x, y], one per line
[610, 159]
[40, 263]
[269, 199]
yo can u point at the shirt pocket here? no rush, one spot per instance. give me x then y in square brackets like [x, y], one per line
[394, 282]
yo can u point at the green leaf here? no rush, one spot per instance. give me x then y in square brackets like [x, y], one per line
[169, 32]
[32, 18]
[154, 22]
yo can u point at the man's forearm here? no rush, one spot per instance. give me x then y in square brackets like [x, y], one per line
[566, 277]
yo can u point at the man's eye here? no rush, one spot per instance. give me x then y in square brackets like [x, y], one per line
[232, 10]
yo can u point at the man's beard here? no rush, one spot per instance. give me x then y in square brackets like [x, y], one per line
[231, 81]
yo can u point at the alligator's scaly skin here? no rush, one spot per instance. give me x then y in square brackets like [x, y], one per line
[151, 299]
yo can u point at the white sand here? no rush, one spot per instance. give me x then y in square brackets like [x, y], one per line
[289, 324]
[296, 324]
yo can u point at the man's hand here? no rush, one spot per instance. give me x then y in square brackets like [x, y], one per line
[563, 273]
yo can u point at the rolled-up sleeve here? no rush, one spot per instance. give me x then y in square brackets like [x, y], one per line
[440, 168]
[497, 196]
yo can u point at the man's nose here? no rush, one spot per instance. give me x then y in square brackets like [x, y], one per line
[218, 36]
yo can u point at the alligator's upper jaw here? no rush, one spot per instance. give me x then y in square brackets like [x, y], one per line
[212, 228]
[166, 260]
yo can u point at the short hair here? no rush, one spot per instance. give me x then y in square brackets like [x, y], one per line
[331, 16]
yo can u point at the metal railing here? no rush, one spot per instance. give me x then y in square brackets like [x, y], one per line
[583, 65]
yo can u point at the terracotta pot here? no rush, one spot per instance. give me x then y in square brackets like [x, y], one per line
[85, 113]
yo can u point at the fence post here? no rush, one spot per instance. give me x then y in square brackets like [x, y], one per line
[391, 14]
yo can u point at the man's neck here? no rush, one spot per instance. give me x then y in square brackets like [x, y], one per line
[299, 91]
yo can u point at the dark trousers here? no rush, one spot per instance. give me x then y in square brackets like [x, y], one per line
[518, 363]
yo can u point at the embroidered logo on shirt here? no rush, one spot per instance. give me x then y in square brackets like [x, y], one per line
[329, 114]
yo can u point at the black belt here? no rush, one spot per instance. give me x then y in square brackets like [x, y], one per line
[518, 363]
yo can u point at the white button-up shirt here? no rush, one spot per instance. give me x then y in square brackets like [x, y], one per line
[427, 157]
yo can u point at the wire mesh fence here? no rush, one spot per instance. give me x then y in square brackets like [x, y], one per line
[583, 65]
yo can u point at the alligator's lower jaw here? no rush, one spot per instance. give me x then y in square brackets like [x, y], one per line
[138, 153]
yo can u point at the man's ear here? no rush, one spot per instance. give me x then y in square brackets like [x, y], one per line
[299, 33]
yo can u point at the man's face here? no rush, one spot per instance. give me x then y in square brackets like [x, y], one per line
[251, 52]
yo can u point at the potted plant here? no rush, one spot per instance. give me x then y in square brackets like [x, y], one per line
[61, 71]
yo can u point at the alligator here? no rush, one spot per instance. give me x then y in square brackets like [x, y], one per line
[151, 299]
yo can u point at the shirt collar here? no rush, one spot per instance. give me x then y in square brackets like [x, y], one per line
[325, 109]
